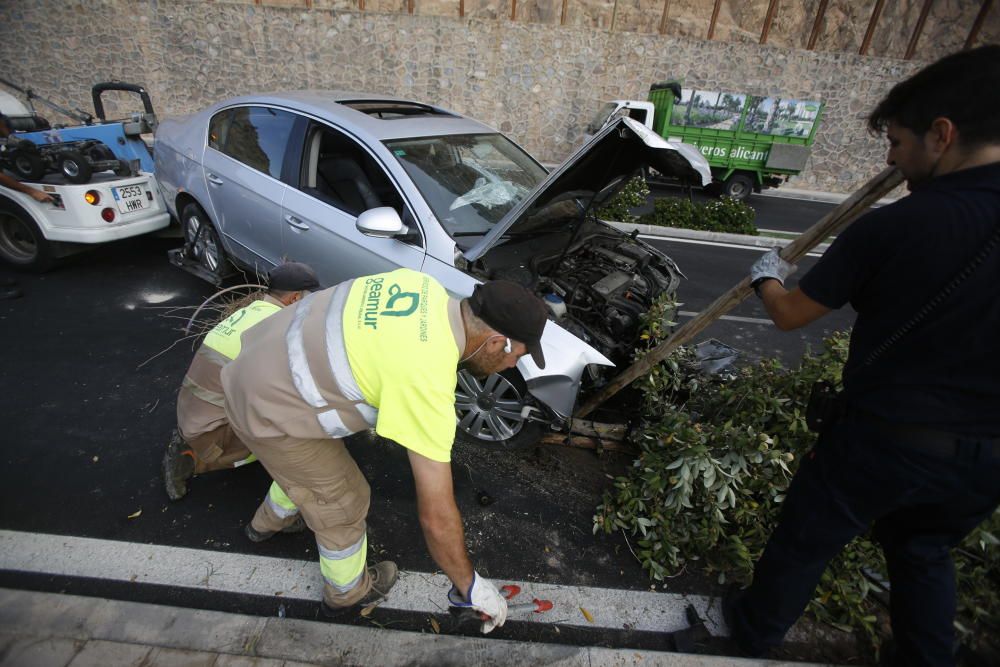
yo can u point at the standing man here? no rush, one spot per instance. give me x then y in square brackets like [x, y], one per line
[8, 286]
[916, 448]
[379, 351]
[203, 441]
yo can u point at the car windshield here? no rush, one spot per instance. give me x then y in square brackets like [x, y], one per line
[470, 181]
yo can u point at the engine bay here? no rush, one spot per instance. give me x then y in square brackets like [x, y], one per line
[597, 289]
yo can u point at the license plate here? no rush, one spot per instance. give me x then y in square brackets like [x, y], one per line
[131, 197]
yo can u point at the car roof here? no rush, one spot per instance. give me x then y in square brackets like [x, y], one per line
[380, 117]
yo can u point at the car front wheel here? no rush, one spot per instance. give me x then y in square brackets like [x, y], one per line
[489, 411]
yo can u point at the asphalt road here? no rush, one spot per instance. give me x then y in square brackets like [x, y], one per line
[90, 364]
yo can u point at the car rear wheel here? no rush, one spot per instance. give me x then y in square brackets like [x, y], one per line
[489, 411]
[203, 240]
[22, 243]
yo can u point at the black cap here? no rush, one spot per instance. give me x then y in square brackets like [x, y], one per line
[292, 277]
[512, 311]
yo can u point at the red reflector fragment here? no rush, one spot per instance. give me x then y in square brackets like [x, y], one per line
[108, 214]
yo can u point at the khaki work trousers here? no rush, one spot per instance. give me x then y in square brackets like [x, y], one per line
[219, 449]
[330, 491]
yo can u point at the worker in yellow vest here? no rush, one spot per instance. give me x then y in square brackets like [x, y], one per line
[203, 441]
[382, 351]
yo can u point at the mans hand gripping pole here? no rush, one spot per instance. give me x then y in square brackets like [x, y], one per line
[770, 266]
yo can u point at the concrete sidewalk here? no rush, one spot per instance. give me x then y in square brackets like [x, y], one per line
[51, 630]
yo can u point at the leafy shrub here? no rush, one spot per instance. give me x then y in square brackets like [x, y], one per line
[631, 196]
[715, 461]
[719, 215]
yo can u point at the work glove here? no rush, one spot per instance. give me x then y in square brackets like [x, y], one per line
[484, 597]
[770, 265]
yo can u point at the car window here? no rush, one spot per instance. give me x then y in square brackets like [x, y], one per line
[218, 127]
[257, 137]
[470, 181]
[337, 170]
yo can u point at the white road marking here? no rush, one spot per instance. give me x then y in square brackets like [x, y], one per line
[738, 246]
[204, 570]
[732, 318]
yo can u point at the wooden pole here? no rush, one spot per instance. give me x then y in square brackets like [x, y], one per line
[663, 17]
[562, 17]
[911, 48]
[978, 24]
[817, 25]
[715, 17]
[772, 9]
[866, 42]
[832, 223]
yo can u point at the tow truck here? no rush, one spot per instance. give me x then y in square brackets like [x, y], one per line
[34, 235]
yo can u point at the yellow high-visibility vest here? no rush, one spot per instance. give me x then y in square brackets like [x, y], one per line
[225, 337]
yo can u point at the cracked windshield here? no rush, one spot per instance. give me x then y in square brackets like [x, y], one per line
[470, 181]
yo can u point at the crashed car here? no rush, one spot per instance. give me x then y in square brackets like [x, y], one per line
[355, 184]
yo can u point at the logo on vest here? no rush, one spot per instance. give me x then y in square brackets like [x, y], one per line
[399, 304]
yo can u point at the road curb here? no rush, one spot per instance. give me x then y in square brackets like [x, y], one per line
[63, 628]
[715, 237]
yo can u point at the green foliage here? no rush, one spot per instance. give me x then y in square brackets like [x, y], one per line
[718, 215]
[715, 460]
[632, 195]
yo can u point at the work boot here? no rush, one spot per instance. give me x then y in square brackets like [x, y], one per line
[178, 467]
[255, 535]
[383, 576]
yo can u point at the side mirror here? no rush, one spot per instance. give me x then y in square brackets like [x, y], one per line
[382, 222]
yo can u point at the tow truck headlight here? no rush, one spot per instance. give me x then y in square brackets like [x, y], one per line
[108, 214]
[92, 197]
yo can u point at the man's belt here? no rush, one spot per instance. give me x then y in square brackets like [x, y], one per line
[941, 444]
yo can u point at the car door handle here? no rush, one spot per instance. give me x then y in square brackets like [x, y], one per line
[212, 178]
[296, 223]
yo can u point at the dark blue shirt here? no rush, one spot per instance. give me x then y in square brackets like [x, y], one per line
[944, 373]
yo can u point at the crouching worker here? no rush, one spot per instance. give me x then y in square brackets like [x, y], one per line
[379, 351]
[203, 441]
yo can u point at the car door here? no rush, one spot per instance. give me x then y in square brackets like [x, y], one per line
[339, 179]
[246, 153]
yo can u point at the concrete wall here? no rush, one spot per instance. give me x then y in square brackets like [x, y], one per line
[538, 82]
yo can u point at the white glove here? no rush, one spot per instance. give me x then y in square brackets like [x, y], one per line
[484, 597]
[770, 265]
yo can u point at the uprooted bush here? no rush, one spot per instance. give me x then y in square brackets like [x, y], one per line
[719, 215]
[716, 457]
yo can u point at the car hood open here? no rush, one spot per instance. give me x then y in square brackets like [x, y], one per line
[600, 168]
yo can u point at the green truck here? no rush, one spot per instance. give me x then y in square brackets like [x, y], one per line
[751, 142]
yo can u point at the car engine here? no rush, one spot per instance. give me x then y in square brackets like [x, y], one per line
[599, 290]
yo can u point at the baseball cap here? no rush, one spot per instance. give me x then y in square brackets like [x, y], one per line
[512, 311]
[292, 277]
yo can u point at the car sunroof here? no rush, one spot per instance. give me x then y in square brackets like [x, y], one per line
[389, 109]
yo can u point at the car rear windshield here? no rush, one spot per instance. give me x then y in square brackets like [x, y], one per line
[470, 181]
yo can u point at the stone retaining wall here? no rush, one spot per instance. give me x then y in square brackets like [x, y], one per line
[539, 83]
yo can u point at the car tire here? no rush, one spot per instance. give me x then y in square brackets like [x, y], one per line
[123, 170]
[29, 166]
[205, 248]
[738, 186]
[21, 241]
[488, 412]
[74, 167]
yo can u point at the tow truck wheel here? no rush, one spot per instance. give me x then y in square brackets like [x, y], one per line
[75, 167]
[22, 243]
[738, 187]
[29, 166]
[205, 246]
[489, 411]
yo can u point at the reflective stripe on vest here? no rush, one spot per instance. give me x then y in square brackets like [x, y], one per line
[302, 376]
[280, 504]
[224, 338]
[343, 569]
[215, 398]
